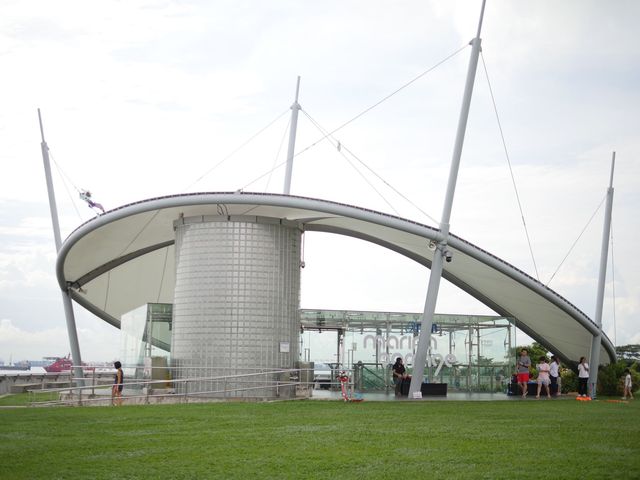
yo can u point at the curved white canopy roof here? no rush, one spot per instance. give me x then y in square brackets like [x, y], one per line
[125, 258]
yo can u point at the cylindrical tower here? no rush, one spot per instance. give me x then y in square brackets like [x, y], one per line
[236, 303]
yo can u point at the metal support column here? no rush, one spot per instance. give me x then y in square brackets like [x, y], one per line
[594, 360]
[66, 299]
[424, 343]
[478, 357]
[295, 108]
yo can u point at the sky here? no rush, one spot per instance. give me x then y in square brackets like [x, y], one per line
[147, 98]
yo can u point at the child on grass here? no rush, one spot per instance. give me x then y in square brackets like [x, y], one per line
[627, 385]
[543, 376]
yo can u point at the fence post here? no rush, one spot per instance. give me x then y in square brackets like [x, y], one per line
[71, 384]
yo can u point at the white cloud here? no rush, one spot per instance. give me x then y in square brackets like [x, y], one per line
[98, 343]
[28, 345]
[26, 266]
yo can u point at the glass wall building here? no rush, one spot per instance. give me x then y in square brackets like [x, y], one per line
[236, 302]
[468, 352]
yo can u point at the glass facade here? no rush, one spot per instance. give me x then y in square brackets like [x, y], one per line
[236, 302]
[468, 352]
[145, 332]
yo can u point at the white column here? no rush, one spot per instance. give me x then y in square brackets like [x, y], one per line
[441, 251]
[594, 360]
[66, 299]
[295, 108]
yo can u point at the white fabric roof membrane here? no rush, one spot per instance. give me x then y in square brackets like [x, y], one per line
[125, 258]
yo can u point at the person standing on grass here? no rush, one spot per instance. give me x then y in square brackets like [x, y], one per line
[543, 376]
[116, 391]
[554, 375]
[524, 363]
[627, 385]
[583, 377]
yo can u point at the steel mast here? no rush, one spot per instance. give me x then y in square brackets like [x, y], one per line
[295, 108]
[594, 360]
[66, 299]
[424, 341]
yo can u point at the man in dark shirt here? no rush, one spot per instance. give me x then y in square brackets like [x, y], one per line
[399, 374]
[116, 392]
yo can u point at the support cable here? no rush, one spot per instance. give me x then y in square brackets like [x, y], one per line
[395, 190]
[137, 235]
[577, 239]
[164, 268]
[613, 283]
[513, 180]
[339, 146]
[308, 147]
[244, 144]
[284, 135]
[63, 175]
[366, 110]
[257, 179]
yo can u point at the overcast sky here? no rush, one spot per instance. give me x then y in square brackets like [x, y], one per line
[147, 98]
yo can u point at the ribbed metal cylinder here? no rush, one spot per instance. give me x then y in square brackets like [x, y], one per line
[236, 303]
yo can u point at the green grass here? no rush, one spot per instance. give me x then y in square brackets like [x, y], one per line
[326, 440]
[24, 399]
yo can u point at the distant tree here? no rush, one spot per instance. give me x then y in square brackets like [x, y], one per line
[485, 361]
[611, 378]
[569, 380]
[628, 352]
[535, 351]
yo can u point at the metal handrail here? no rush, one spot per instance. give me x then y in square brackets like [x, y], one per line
[246, 379]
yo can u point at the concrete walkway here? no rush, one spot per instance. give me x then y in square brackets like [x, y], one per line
[451, 396]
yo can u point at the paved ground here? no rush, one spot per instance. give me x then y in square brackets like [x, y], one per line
[390, 397]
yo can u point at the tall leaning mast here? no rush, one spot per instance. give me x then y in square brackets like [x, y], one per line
[594, 361]
[66, 299]
[424, 341]
[295, 108]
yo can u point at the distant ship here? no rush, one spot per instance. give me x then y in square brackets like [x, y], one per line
[59, 364]
[17, 366]
[62, 364]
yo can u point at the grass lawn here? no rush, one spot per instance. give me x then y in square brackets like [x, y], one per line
[561, 439]
[24, 399]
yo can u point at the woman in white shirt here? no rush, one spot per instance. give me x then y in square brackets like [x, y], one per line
[627, 385]
[583, 377]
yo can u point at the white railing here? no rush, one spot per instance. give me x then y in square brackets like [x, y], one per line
[92, 390]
